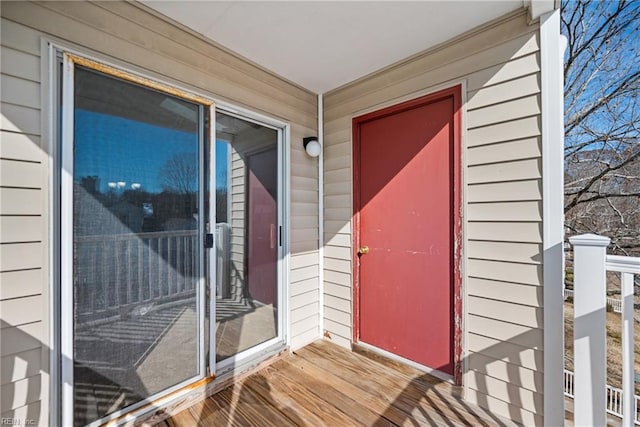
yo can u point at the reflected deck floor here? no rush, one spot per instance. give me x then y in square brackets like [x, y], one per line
[323, 384]
[119, 359]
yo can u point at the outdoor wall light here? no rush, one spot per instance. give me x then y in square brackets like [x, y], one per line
[312, 146]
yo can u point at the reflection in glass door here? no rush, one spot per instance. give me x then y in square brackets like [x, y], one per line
[247, 224]
[137, 273]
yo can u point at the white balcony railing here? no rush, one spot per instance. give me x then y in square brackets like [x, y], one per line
[591, 396]
[615, 303]
[117, 272]
[614, 397]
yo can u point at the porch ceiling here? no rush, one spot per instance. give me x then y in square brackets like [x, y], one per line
[323, 45]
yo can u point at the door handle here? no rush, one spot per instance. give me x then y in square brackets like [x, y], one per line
[363, 250]
[208, 241]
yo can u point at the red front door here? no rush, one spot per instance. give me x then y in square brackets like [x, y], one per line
[406, 202]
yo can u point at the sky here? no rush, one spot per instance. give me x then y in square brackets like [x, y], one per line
[116, 149]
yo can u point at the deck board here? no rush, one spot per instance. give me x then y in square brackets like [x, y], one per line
[321, 387]
[325, 385]
[347, 392]
[281, 399]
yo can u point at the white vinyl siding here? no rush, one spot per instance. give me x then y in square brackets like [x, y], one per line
[23, 201]
[502, 203]
[140, 38]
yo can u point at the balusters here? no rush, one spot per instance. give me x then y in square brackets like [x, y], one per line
[140, 245]
[193, 265]
[627, 267]
[128, 244]
[117, 257]
[93, 278]
[179, 266]
[170, 266]
[161, 261]
[628, 350]
[105, 276]
[127, 269]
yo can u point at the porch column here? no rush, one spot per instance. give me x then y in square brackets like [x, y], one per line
[589, 329]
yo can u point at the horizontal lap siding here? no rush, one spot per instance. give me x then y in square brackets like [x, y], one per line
[503, 203]
[304, 268]
[237, 220]
[136, 36]
[23, 266]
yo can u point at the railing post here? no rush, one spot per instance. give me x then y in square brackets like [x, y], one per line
[589, 329]
[628, 365]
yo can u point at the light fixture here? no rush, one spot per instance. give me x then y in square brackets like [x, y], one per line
[312, 146]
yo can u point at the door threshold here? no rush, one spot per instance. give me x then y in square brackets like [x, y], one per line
[232, 368]
[376, 353]
[156, 411]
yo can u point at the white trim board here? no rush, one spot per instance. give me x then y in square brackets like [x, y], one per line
[321, 216]
[66, 243]
[551, 64]
[49, 88]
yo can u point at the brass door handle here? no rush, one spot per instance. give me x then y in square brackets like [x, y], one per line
[363, 250]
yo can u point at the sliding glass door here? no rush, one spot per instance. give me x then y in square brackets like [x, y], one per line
[171, 241]
[137, 256]
[248, 194]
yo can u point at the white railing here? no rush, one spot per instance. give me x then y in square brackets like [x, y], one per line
[591, 396]
[568, 383]
[616, 304]
[115, 272]
[614, 398]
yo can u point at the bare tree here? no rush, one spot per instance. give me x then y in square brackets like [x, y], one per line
[180, 173]
[602, 120]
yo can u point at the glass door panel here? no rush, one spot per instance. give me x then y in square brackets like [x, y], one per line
[247, 231]
[137, 257]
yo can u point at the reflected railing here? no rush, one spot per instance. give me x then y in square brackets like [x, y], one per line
[126, 273]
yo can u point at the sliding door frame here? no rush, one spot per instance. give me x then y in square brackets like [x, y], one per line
[58, 115]
[229, 365]
[70, 61]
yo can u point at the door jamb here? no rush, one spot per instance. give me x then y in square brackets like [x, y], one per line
[454, 92]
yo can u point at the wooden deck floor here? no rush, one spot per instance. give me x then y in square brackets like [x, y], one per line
[323, 384]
